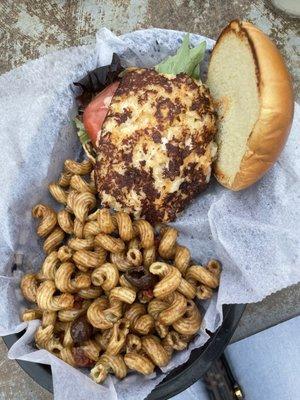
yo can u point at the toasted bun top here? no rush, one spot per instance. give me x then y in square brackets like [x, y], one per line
[271, 126]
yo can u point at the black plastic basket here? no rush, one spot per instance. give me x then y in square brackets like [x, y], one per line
[200, 360]
[176, 381]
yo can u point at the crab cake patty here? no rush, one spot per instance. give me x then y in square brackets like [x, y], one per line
[156, 145]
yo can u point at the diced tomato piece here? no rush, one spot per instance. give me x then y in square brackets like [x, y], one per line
[95, 113]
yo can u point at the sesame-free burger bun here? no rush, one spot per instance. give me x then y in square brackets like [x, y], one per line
[251, 86]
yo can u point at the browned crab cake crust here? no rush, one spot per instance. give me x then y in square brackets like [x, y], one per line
[156, 145]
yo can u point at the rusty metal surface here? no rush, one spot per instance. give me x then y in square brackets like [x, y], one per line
[30, 29]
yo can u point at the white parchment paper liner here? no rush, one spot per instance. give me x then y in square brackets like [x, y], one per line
[255, 233]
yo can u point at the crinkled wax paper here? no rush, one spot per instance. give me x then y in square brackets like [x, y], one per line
[255, 232]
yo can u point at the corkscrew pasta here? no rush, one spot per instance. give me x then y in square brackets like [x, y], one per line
[50, 266]
[203, 275]
[81, 244]
[77, 168]
[71, 314]
[139, 363]
[65, 221]
[65, 179]
[110, 243]
[109, 364]
[135, 257]
[91, 293]
[120, 261]
[31, 314]
[144, 324]
[176, 309]
[113, 294]
[204, 292]
[124, 282]
[171, 278]
[118, 338]
[82, 203]
[88, 258]
[161, 329]
[145, 232]
[96, 316]
[133, 343]
[149, 256]
[106, 276]
[105, 221]
[90, 229]
[123, 294]
[78, 229]
[46, 299]
[80, 185]
[166, 247]
[58, 193]
[64, 253]
[190, 323]
[55, 239]
[64, 281]
[124, 226]
[48, 219]
[103, 338]
[29, 287]
[155, 351]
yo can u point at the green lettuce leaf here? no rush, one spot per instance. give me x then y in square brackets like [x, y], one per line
[85, 141]
[186, 59]
[82, 134]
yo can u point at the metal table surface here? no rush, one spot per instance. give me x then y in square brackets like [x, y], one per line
[30, 29]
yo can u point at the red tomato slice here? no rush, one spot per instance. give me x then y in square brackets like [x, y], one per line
[95, 113]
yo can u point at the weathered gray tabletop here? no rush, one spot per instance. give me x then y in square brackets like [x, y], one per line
[30, 29]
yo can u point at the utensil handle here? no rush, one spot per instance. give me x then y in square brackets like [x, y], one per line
[220, 382]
